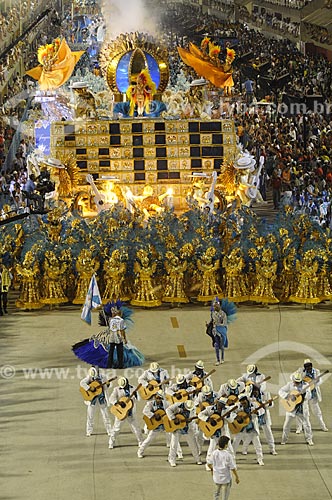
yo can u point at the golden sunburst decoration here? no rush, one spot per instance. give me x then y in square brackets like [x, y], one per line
[68, 176]
[139, 45]
[227, 178]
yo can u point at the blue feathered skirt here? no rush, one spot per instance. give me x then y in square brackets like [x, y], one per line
[97, 355]
[222, 332]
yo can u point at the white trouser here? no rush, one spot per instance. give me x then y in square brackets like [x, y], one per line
[149, 438]
[152, 435]
[303, 419]
[247, 438]
[222, 491]
[315, 408]
[200, 438]
[91, 417]
[213, 442]
[192, 443]
[268, 436]
[133, 424]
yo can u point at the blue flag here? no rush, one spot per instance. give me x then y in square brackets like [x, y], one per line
[92, 300]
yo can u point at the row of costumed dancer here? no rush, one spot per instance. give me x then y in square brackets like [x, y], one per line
[169, 260]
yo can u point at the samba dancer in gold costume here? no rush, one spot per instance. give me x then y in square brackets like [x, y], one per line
[54, 270]
[174, 289]
[114, 277]
[144, 269]
[235, 285]
[288, 275]
[266, 270]
[307, 268]
[86, 266]
[29, 275]
[208, 268]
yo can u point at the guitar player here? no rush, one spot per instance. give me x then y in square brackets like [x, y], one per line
[249, 433]
[99, 401]
[202, 400]
[200, 373]
[187, 409]
[125, 390]
[155, 373]
[256, 392]
[296, 391]
[310, 373]
[154, 409]
[218, 407]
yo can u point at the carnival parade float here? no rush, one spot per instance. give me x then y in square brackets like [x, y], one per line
[157, 204]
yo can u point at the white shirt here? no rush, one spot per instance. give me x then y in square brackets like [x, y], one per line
[223, 462]
[116, 325]
[148, 375]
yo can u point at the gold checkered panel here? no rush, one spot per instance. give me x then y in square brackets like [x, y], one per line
[149, 150]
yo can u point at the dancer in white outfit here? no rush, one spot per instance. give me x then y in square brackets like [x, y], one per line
[288, 392]
[100, 401]
[124, 389]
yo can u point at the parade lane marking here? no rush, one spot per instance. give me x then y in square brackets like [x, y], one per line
[181, 351]
[174, 322]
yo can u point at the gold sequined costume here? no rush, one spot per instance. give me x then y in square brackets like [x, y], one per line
[29, 275]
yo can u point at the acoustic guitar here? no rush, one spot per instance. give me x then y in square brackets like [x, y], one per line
[151, 389]
[122, 407]
[180, 396]
[296, 397]
[99, 198]
[197, 382]
[232, 399]
[156, 420]
[214, 422]
[243, 418]
[98, 386]
[312, 381]
[202, 406]
[180, 422]
[258, 384]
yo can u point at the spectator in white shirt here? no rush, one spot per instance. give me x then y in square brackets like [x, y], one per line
[222, 464]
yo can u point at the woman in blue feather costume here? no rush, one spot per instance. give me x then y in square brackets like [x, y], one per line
[222, 313]
[96, 349]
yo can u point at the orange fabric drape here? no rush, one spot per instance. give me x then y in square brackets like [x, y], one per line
[215, 75]
[61, 69]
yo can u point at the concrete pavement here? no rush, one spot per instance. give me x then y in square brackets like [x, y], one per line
[44, 448]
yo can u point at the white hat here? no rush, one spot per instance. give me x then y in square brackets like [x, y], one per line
[232, 383]
[200, 364]
[159, 393]
[198, 83]
[251, 368]
[297, 377]
[245, 162]
[223, 400]
[189, 404]
[206, 389]
[154, 367]
[53, 162]
[307, 362]
[122, 382]
[78, 85]
[180, 378]
[93, 372]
